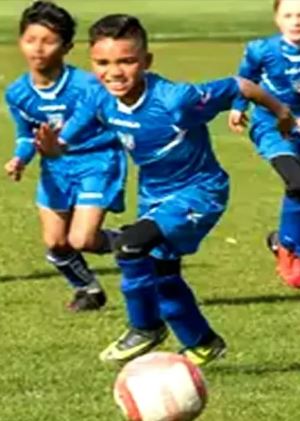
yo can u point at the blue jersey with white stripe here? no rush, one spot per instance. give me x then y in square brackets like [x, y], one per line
[165, 131]
[274, 64]
[31, 106]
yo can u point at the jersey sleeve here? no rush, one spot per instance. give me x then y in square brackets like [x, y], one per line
[24, 131]
[86, 111]
[214, 97]
[250, 68]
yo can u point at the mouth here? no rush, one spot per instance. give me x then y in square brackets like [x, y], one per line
[38, 59]
[116, 85]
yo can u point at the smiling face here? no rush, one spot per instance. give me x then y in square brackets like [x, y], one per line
[120, 65]
[42, 48]
[287, 18]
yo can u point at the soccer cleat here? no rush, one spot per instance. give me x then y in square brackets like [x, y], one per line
[287, 263]
[87, 301]
[292, 278]
[203, 354]
[273, 242]
[132, 343]
[284, 265]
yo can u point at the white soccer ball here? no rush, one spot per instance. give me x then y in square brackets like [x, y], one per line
[160, 386]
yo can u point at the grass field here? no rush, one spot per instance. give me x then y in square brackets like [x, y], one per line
[165, 19]
[49, 369]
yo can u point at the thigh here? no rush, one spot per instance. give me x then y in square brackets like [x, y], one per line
[84, 228]
[55, 226]
[185, 219]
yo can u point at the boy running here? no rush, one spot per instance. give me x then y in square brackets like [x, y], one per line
[183, 191]
[76, 190]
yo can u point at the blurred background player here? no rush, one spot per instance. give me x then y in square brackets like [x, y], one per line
[183, 190]
[75, 190]
[274, 63]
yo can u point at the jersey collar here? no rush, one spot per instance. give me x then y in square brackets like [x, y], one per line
[51, 93]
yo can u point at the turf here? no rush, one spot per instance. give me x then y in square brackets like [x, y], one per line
[165, 19]
[49, 370]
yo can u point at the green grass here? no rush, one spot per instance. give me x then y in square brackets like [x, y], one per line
[49, 370]
[165, 19]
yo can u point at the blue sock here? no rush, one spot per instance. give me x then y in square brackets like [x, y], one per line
[178, 307]
[74, 268]
[289, 230]
[139, 288]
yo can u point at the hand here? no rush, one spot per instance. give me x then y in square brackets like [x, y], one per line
[237, 121]
[46, 141]
[15, 168]
[286, 122]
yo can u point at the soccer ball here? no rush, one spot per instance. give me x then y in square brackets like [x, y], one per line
[160, 386]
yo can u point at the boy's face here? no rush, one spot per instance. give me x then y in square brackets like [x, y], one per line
[120, 64]
[42, 48]
[287, 19]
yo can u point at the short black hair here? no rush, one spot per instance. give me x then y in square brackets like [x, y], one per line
[118, 26]
[50, 15]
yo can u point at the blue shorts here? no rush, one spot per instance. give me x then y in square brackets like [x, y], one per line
[268, 140]
[95, 179]
[185, 218]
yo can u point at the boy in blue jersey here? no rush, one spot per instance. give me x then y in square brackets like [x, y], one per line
[76, 190]
[183, 190]
[274, 63]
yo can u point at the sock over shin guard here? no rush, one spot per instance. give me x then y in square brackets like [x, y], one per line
[289, 231]
[178, 307]
[138, 285]
[74, 268]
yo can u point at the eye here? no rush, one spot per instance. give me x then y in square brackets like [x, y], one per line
[128, 60]
[101, 62]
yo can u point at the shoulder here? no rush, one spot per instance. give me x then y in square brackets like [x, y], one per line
[170, 93]
[17, 90]
[82, 78]
[262, 46]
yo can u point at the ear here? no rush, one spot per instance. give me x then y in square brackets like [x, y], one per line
[148, 60]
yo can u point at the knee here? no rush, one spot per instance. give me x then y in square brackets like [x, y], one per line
[126, 248]
[57, 244]
[138, 240]
[79, 241]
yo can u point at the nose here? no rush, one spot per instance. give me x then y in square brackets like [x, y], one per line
[115, 70]
[38, 47]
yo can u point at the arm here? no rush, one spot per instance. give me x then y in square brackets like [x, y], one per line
[85, 114]
[24, 149]
[250, 68]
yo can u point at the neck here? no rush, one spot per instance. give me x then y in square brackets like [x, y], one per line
[46, 78]
[295, 44]
[133, 96]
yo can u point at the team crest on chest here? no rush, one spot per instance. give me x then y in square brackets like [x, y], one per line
[127, 140]
[55, 120]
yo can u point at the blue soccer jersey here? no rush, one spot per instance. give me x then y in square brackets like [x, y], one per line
[181, 184]
[94, 169]
[165, 132]
[274, 64]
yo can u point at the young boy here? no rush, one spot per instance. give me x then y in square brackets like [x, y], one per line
[183, 190]
[75, 190]
[274, 63]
